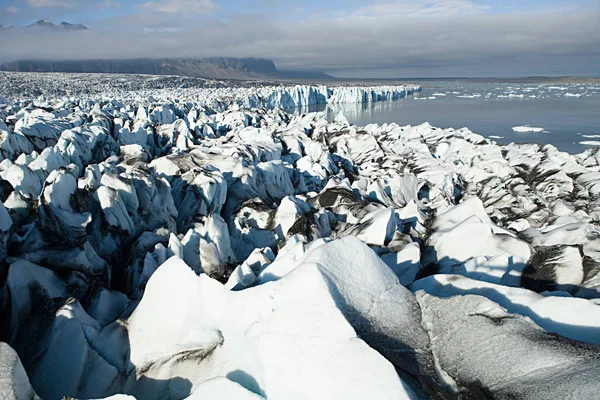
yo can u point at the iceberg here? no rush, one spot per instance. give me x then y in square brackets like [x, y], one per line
[526, 128]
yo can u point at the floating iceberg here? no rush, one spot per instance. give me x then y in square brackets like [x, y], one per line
[527, 128]
[590, 142]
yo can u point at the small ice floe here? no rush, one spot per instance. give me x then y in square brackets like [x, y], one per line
[527, 128]
[496, 137]
[573, 95]
[590, 142]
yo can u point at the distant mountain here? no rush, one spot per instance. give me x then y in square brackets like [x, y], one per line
[212, 68]
[217, 68]
[73, 27]
[63, 26]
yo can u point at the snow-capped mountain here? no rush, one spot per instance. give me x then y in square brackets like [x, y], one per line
[44, 24]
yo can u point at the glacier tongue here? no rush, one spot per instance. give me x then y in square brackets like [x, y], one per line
[269, 95]
[175, 242]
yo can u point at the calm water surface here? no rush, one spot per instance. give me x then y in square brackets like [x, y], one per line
[568, 113]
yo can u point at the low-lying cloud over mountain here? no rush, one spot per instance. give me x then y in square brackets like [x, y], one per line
[215, 68]
[401, 38]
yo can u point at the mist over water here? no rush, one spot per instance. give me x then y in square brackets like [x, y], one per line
[567, 112]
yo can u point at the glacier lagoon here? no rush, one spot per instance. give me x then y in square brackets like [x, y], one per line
[568, 113]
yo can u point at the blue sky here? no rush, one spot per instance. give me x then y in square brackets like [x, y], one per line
[19, 12]
[380, 38]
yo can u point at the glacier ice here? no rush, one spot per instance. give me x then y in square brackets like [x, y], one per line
[202, 242]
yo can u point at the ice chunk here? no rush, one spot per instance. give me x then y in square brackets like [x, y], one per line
[527, 128]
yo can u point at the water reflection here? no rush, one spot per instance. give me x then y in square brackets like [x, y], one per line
[353, 111]
[570, 123]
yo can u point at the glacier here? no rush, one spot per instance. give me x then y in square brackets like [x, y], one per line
[209, 93]
[173, 243]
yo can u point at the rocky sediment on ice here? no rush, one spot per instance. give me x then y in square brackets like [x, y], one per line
[166, 249]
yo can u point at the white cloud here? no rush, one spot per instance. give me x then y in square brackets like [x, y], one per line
[108, 4]
[403, 39]
[161, 30]
[180, 6]
[51, 3]
[418, 8]
[12, 9]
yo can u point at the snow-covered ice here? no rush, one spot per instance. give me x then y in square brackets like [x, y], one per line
[202, 242]
[527, 128]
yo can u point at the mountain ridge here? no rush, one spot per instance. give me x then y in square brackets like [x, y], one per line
[248, 68]
[44, 24]
[212, 67]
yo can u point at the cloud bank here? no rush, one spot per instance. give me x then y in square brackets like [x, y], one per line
[443, 38]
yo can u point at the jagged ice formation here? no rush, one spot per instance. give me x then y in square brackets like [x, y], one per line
[165, 247]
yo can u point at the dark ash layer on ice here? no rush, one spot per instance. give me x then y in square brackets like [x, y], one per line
[164, 250]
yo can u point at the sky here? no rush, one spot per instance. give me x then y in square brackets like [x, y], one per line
[362, 39]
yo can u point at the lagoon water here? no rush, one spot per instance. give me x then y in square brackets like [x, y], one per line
[568, 113]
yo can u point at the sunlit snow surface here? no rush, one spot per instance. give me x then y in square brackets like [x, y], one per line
[169, 243]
